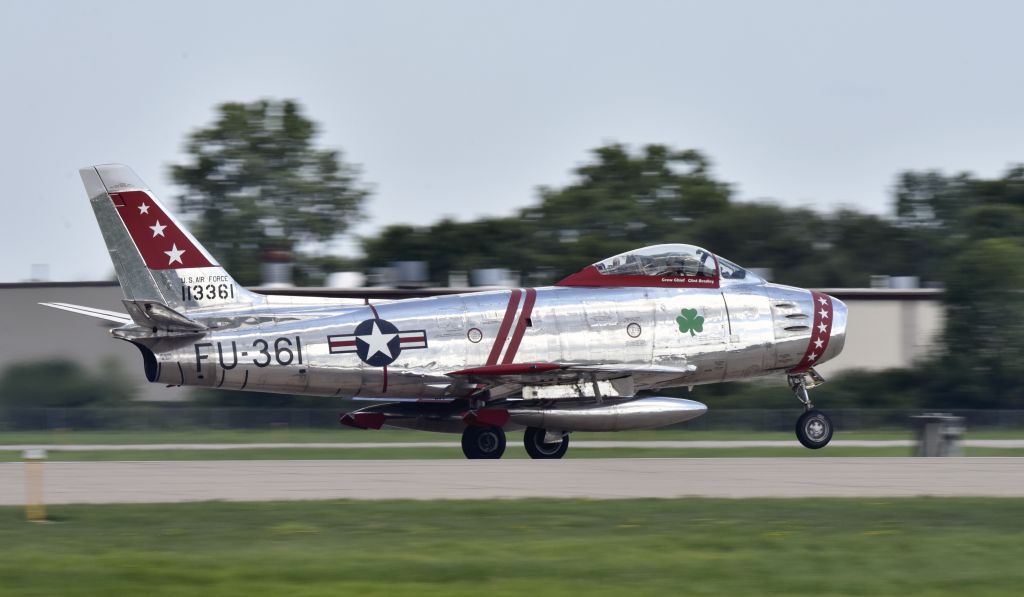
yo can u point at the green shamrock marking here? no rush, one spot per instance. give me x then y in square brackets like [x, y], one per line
[689, 321]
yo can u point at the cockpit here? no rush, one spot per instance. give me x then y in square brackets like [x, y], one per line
[673, 265]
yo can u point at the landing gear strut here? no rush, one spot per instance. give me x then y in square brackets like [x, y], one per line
[483, 442]
[537, 445]
[813, 428]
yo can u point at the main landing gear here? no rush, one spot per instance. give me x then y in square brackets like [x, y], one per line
[813, 428]
[539, 445]
[489, 442]
[483, 442]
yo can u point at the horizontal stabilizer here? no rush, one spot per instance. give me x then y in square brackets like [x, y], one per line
[152, 314]
[113, 316]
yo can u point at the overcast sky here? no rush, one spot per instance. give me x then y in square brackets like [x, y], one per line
[463, 108]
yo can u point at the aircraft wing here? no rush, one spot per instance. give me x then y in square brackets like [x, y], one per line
[506, 379]
[114, 316]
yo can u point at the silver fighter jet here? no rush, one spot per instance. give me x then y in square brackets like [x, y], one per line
[583, 355]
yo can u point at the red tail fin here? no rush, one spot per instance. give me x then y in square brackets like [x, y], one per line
[155, 257]
[162, 244]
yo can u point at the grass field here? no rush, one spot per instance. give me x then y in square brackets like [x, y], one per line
[819, 547]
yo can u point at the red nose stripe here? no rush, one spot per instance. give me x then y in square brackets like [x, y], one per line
[160, 242]
[821, 331]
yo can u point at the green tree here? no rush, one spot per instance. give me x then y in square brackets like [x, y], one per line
[944, 215]
[997, 220]
[982, 361]
[257, 183]
[857, 245]
[58, 383]
[973, 229]
[55, 383]
[765, 236]
[620, 200]
[456, 246]
[931, 199]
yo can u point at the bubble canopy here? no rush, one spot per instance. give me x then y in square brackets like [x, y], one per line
[671, 265]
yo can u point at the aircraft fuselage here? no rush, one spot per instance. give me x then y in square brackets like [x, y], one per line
[407, 348]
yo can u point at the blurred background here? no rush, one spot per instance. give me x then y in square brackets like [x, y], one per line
[869, 149]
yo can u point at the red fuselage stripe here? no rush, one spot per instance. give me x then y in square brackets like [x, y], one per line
[506, 324]
[517, 337]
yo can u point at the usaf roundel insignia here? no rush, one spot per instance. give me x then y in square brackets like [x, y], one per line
[377, 342]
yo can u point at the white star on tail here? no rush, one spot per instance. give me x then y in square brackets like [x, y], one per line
[174, 254]
[822, 300]
[811, 356]
[819, 343]
[158, 230]
[823, 313]
[143, 209]
[377, 342]
[823, 328]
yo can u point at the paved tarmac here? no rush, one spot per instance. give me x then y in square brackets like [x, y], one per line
[260, 480]
[584, 444]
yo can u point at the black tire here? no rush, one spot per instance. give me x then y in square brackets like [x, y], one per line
[537, 448]
[483, 442]
[814, 429]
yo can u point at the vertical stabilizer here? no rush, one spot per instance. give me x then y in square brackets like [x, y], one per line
[154, 256]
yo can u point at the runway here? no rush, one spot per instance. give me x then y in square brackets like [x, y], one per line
[262, 480]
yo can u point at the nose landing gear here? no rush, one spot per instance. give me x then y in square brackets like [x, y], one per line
[813, 428]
